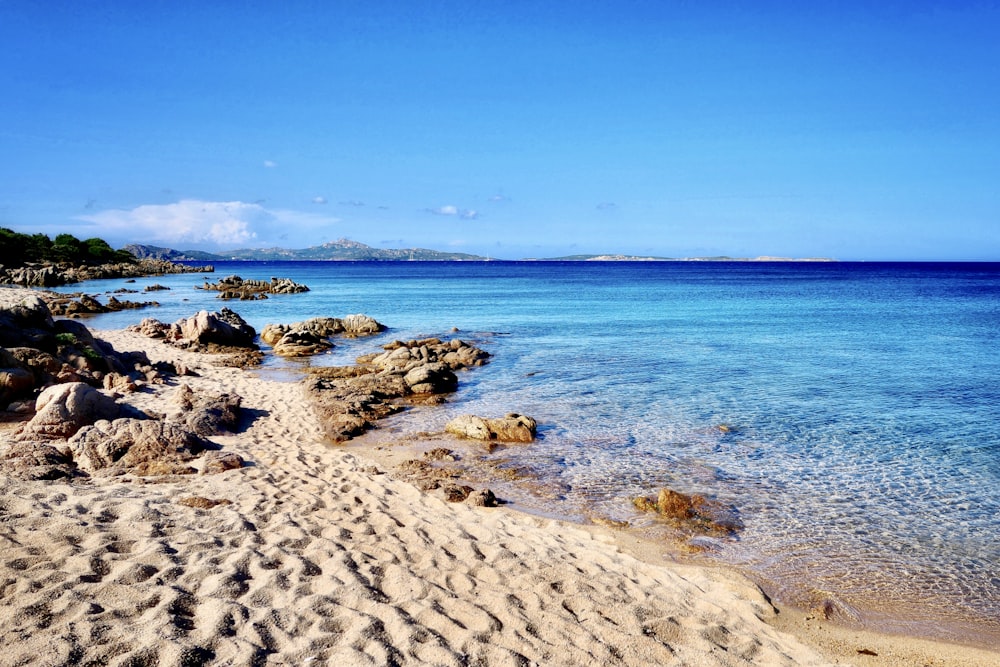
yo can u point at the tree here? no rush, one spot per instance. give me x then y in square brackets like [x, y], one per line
[67, 248]
[13, 247]
[99, 251]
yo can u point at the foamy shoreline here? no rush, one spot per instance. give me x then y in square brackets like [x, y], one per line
[318, 559]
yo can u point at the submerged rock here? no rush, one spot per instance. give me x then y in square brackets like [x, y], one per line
[511, 428]
[691, 512]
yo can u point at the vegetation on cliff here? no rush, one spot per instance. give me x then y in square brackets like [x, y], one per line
[17, 249]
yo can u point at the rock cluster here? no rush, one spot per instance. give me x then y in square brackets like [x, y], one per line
[64, 384]
[74, 305]
[37, 352]
[348, 400]
[403, 357]
[511, 428]
[691, 513]
[311, 337]
[223, 332]
[79, 430]
[53, 276]
[235, 287]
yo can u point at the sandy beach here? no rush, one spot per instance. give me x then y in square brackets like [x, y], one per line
[314, 557]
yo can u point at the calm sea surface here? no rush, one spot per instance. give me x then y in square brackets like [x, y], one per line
[863, 402]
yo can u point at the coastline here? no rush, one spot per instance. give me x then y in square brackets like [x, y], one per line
[317, 556]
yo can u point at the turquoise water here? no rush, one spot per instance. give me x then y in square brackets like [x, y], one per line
[863, 459]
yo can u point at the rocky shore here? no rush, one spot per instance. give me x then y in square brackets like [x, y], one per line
[52, 275]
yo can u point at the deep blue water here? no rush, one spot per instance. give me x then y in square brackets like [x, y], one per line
[863, 400]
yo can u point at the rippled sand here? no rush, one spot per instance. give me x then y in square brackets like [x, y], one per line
[316, 559]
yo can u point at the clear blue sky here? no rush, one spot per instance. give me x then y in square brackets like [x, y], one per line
[855, 130]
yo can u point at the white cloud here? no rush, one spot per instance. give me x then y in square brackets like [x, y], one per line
[192, 222]
[450, 210]
[270, 164]
[319, 200]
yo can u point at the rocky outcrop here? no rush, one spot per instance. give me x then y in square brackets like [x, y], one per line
[141, 446]
[57, 351]
[34, 460]
[222, 329]
[75, 305]
[403, 357]
[25, 320]
[349, 400]
[206, 414]
[64, 409]
[312, 336]
[53, 276]
[16, 379]
[235, 287]
[511, 428]
[32, 276]
[74, 427]
[692, 514]
[217, 462]
[79, 431]
[431, 378]
[300, 344]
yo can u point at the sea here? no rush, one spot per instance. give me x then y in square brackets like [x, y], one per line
[848, 412]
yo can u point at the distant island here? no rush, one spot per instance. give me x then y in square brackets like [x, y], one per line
[340, 250]
[348, 250]
[641, 258]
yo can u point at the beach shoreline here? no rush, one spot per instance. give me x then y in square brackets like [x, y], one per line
[312, 555]
[837, 636]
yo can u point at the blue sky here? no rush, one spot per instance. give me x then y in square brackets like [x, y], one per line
[517, 129]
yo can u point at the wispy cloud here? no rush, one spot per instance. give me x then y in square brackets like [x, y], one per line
[499, 198]
[352, 202]
[195, 222]
[270, 164]
[319, 200]
[454, 211]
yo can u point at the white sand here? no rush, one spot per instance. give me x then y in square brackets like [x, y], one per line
[317, 562]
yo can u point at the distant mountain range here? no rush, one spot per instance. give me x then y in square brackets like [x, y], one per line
[347, 250]
[342, 250]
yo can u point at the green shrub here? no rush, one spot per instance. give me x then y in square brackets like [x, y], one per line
[66, 339]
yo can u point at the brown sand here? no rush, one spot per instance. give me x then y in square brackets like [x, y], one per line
[317, 560]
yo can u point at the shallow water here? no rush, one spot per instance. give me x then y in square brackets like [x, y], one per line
[863, 456]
